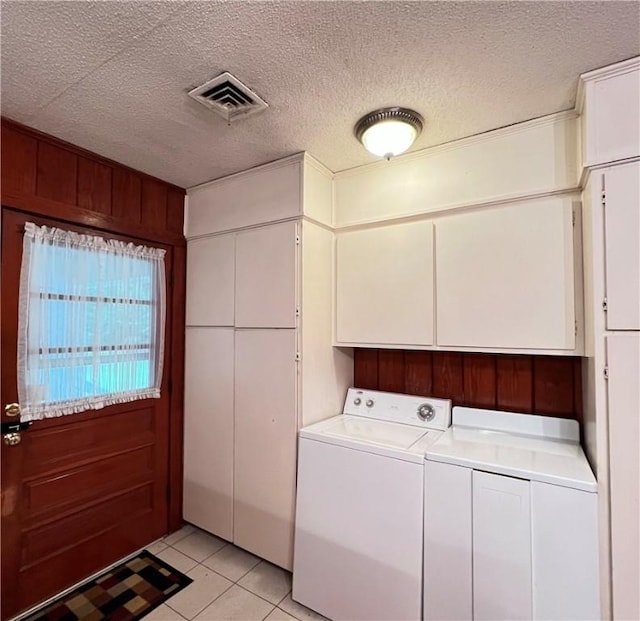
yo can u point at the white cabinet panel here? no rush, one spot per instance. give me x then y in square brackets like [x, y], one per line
[505, 277]
[613, 122]
[385, 285]
[210, 281]
[623, 351]
[564, 541]
[622, 242]
[208, 430]
[501, 548]
[448, 584]
[265, 443]
[266, 273]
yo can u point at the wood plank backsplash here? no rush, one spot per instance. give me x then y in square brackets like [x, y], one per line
[546, 385]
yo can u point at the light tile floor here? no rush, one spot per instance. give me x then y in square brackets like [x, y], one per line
[228, 583]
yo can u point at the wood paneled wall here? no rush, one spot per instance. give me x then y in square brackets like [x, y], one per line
[48, 177]
[53, 178]
[547, 385]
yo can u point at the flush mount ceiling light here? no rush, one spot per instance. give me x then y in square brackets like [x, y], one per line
[389, 131]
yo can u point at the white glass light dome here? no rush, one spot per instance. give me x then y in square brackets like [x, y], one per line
[389, 131]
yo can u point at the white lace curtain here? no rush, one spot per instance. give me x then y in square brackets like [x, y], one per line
[91, 322]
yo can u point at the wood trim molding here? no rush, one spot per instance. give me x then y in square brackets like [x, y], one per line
[77, 215]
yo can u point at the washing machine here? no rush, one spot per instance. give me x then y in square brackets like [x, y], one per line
[359, 510]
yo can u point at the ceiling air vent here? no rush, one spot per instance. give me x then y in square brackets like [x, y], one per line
[229, 97]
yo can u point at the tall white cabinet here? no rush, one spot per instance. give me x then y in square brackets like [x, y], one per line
[609, 103]
[259, 356]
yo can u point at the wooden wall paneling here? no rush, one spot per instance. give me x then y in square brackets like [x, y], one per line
[19, 153]
[154, 204]
[577, 388]
[494, 381]
[479, 372]
[94, 185]
[418, 373]
[127, 196]
[175, 210]
[366, 368]
[448, 377]
[514, 388]
[391, 371]
[57, 173]
[553, 386]
[176, 429]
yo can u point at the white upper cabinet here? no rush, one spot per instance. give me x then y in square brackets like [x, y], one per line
[610, 121]
[210, 281]
[505, 277]
[266, 276]
[384, 285]
[622, 243]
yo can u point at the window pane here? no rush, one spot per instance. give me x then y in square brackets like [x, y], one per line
[94, 322]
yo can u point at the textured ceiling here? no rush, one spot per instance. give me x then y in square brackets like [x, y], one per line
[112, 76]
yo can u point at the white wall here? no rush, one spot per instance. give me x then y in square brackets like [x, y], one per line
[524, 160]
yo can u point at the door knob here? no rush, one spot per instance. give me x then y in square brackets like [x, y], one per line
[12, 409]
[11, 439]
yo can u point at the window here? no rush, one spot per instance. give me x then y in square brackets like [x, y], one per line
[91, 322]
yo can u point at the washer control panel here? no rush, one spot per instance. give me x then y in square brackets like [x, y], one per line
[427, 412]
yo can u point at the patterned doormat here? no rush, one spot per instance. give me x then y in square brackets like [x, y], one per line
[124, 593]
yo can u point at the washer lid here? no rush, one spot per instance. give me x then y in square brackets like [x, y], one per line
[381, 437]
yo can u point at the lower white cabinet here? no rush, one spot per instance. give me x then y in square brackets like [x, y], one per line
[265, 443]
[623, 352]
[208, 430]
[501, 548]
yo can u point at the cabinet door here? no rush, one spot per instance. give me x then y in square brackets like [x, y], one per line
[266, 276]
[505, 277]
[448, 582]
[622, 246]
[265, 443]
[501, 548]
[564, 540]
[208, 430]
[623, 352]
[210, 278]
[385, 285]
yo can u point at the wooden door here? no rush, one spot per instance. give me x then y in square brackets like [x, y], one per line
[505, 277]
[623, 352]
[265, 443]
[501, 548]
[81, 491]
[384, 288]
[622, 246]
[208, 430]
[266, 277]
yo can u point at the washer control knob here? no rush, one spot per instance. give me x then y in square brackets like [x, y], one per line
[369, 403]
[426, 412]
[357, 401]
